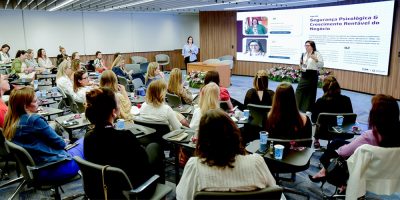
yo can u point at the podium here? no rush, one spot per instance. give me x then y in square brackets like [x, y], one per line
[223, 70]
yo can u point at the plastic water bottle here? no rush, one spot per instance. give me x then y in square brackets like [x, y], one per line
[271, 148]
[35, 84]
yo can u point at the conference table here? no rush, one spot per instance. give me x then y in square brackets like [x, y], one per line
[223, 70]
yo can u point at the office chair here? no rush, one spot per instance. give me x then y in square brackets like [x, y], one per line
[256, 122]
[173, 100]
[224, 106]
[272, 192]
[326, 121]
[30, 170]
[161, 128]
[162, 60]
[117, 182]
[5, 155]
[138, 59]
[123, 81]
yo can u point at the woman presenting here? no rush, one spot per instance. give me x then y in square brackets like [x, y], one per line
[190, 51]
[306, 91]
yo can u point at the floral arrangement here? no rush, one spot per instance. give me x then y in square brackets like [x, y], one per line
[292, 75]
[196, 79]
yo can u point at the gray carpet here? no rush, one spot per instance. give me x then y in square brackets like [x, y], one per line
[240, 84]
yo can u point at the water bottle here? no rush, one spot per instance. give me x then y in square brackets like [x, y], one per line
[35, 84]
[271, 148]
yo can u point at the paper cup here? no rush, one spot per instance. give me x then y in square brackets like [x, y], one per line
[279, 151]
[246, 113]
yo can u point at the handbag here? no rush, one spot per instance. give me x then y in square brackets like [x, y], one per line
[103, 169]
[337, 173]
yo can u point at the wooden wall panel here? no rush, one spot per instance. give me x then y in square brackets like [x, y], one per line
[218, 30]
[176, 58]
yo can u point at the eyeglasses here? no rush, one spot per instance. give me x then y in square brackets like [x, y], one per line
[254, 45]
[307, 45]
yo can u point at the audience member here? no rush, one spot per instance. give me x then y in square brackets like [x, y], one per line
[384, 126]
[43, 60]
[64, 78]
[62, 55]
[81, 85]
[153, 73]
[284, 120]
[4, 87]
[209, 99]
[155, 109]
[221, 163]
[4, 55]
[332, 101]
[213, 76]
[31, 131]
[30, 61]
[259, 94]
[99, 62]
[109, 79]
[175, 86]
[18, 65]
[126, 152]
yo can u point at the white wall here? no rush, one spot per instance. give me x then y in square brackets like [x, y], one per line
[88, 32]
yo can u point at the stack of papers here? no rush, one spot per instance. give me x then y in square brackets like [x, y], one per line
[178, 137]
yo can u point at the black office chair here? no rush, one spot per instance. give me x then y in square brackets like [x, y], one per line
[161, 129]
[272, 192]
[224, 105]
[117, 183]
[6, 156]
[326, 121]
[29, 171]
[256, 122]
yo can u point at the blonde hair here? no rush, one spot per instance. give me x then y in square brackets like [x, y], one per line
[19, 99]
[62, 67]
[209, 97]
[156, 92]
[260, 81]
[109, 79]
[151, 69]
[117, 61]
[175, 81]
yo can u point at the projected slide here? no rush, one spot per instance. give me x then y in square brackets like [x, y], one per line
[353, 37]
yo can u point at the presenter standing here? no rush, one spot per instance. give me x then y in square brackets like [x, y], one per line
[306, 91]
[190, 51]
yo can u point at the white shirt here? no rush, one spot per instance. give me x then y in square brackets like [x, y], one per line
[311, 64]
[46, 63]
[67, 86]
[81, 94]
[163, 113]
[195, 122]
[249, 173]
[4, 58]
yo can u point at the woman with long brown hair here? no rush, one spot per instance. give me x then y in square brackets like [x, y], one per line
[31, 131]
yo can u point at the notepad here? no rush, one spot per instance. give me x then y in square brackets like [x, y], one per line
[178, 137]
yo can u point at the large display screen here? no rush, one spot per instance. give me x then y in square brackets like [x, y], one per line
[353, 37]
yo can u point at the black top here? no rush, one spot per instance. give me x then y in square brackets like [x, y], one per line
[334, 104]
[252, 97]
[118, 148]
[285, 132]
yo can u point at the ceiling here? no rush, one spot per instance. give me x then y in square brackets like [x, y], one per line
[175, 6]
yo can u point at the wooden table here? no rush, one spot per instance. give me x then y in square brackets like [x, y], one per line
[223, 70]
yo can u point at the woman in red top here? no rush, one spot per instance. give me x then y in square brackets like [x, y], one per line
[213, 76]
[4, 87]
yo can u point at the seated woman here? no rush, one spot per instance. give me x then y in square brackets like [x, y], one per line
[209, 99]
[99, 62]
[4, 87]
[221, 163]
[18, 65]
[109, 79]
[175, 86]
[125, 152]
[155, 109]
[64, 79]
[284, 120]
[213, 76]
[153, 73]
[259, 94]
[332, 101]
[4, 55]
[384, 126]
[43, 60]
[31, 131]
[81, 85]
[118, 67]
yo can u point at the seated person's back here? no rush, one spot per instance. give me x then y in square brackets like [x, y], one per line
[259, 94]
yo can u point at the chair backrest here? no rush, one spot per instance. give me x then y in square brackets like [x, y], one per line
[24, 160]
[374, 169]
[116, 180]
[173, 100]
[258, 114]
[226, 57]
[272, 192]
[73, 106]
[211, 61]
[134, 67]
[4, 150]
[124, 82]
[162, 59]
[326, 121]
[137, 83]
[224, 105]
[138, 59]
[161, 128]
[90, 66]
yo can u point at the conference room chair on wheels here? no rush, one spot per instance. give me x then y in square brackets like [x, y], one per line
[123, 81]
[117, 183]
[30, 170]
[161, 128]
[75, 107]
[272, 193]
[138, 59]
[326, 121]
[162, 60]
[6, 156]
[258, 115]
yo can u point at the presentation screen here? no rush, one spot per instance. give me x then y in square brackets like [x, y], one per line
[353, 37]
